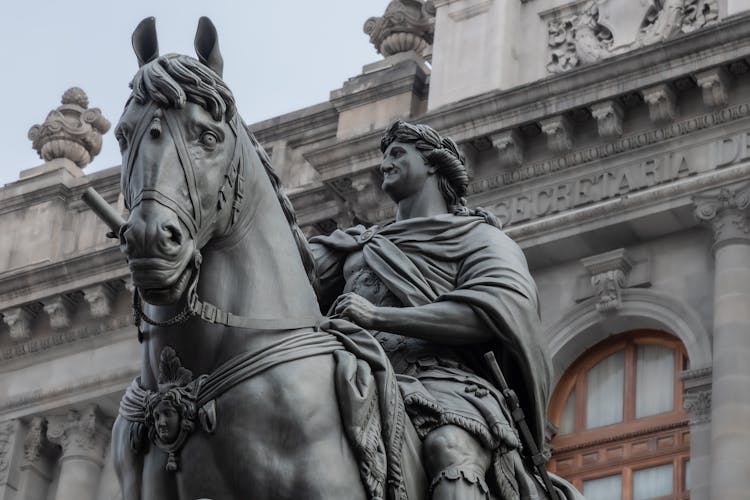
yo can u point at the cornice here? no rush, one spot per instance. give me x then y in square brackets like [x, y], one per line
[33, 283]
[497, 111]
[629, 72]
[346, 157]
[407, 76]
[307, 125]
[50, 397]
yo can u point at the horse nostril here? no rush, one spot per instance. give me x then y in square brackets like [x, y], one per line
[173, 233]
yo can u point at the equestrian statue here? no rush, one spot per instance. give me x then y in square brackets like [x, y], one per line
[248, 391]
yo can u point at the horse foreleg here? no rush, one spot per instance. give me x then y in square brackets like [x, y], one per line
[128, 464]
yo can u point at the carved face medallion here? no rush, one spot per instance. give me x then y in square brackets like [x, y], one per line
[404, 170]
[166, 421]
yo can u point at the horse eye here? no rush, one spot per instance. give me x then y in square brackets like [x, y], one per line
[209, 139]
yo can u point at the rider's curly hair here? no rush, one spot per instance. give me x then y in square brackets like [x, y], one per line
[444, 155]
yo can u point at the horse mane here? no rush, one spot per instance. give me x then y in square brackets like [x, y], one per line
[171, 81]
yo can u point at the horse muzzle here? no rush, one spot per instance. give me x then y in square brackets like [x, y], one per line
[159, 254]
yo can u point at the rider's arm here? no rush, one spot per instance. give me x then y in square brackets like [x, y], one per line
[444, 322]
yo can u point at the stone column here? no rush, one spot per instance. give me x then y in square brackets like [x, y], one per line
[82, 437]
[727, 212]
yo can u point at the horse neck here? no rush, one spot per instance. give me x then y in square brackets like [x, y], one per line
[262, 275]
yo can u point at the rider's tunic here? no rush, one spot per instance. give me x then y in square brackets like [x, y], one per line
[438, 386]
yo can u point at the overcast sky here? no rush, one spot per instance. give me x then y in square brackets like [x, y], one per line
[279, 56]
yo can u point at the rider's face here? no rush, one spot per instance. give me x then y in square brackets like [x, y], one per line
[404, 170]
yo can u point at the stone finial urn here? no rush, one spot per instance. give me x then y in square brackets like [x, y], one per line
[72, 131]
[406, 25]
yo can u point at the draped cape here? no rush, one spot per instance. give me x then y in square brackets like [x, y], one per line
[461, 259]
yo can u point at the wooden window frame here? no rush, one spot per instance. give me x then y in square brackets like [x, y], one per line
[633, 443]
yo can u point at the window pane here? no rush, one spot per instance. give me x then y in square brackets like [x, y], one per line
[654, 384]
[567, 419]
[603, 488]
[652, 482]
[604, 394]
[686, 475]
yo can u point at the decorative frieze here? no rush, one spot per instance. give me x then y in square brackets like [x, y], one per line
[631, 142]
[30, 345]
[714, 84]
[19, 320]
[600, 29]
[726, 210]
[60, 309]
[608, 116]
[662, 102]
[100, 299]
[609, 273]
[509, 145]
[559, 132]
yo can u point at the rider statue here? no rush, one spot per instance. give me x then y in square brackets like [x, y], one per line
[438, 287]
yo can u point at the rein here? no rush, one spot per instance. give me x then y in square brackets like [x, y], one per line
[199, 227]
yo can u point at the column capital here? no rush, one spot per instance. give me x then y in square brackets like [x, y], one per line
[698, 406]
[726, 210]
[696, 399]
[36, 444]
[81, 434]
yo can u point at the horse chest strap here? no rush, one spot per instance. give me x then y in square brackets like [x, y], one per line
[212, 314]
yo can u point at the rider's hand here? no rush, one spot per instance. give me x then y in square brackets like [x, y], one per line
[356, 309]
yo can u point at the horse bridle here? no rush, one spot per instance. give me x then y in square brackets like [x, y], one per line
[199, 227]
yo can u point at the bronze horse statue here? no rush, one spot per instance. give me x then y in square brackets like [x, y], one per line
[245, 390]
[236, 396]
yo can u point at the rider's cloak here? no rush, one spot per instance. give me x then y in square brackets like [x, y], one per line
[461, 259]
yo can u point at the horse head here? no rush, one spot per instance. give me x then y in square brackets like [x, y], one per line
[181, 165]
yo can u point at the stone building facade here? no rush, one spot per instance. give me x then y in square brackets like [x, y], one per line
[611, 137]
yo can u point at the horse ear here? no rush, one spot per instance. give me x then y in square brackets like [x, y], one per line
[145, 45]
[207, 45]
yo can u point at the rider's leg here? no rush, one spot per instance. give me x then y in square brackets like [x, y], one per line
[456, 464]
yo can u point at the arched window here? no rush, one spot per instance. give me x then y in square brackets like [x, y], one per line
[622, 432]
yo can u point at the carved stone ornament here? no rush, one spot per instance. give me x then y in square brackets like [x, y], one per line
[19, 321]
[727, 212]
[698, 405]
[60, 310]
[406, 25]
[100, 299]
[608, 116]
[559, 132]
[662, 102]
[71, 131]
[80, 433]
[609, 273]
[603, 28]
[509, 145]
[714, 84]
[36, 444]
